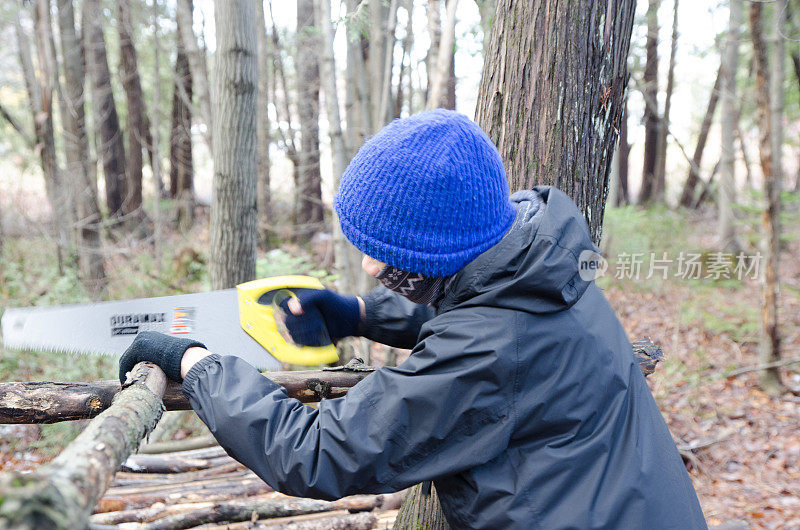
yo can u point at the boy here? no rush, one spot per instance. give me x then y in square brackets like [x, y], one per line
[520, 400]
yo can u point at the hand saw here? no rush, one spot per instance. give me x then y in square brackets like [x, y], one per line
[238, 321]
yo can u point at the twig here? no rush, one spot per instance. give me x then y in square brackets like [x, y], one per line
[765, 366]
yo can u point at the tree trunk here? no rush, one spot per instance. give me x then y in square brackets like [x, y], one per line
[385, 100]
[558, 128]
[687, 197]
[308, 199]
[264, 197]
[184, 14]
[421, 509]
[233, 208]
[129, 71]
[648, 192]
[434, 14]
[79, 162]
[51, 83]
[40, 96]
[63, 493]
[437, 95]
[486, 9]
[108, 134]
[728, 119]
[181, 164]
[767, 91]
[623, 196]
[661, 165]
[406, 67]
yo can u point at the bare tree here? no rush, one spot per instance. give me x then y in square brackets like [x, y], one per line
[768, 109]
[40, 97]
[264, 128]
[687, 196]
[76, 147]
[308, 203]
[441, 71]
[730, 114]
[64, 185]
[661, 159]
[181, 164]
[624, 196]
[106, 122]
[135, 126]
[184, 13]
[561, 128]
[233, 207]
[651, 118]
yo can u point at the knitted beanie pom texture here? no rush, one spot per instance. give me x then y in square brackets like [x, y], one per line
[426, 194]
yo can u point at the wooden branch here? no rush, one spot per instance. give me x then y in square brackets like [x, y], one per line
[123, 499]
[759, 367]
[171, 446]
[264, 508]
[63, 493]
[340, 521]
[52, 402]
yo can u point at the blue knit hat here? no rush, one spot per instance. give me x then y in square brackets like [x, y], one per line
[426, 194]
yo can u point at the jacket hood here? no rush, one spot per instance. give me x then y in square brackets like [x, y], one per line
[535, 266]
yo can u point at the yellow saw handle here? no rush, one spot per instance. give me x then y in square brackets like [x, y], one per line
[257, 319]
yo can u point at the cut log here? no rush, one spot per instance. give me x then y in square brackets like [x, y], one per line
[340, 521]
[123, 478]
[113, 501]
[169, 463]
[171, 446]
[51, 402]
[63, 493]
[249, 509]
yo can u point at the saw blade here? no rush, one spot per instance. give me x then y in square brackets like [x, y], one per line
[109, 327]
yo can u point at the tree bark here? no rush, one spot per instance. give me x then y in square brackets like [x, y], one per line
[79, 162]
[661, 164]
[308, 198]
[108, 134]
[63, 493]
[559, 128]
[769, 103]
[181, 164]
[421, 509]
[233, 208]
[651, 121]
[729, 116]
[264, 197]
[184, 14]
[687, 197]
[486, 9]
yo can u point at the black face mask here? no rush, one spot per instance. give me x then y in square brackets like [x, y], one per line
[418, 288]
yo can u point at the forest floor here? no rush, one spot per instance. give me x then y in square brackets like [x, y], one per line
[744, 445]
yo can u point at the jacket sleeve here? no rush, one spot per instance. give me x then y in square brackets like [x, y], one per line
[392, 319]
[441, 412]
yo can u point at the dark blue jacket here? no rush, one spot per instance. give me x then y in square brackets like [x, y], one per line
[521, 400]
